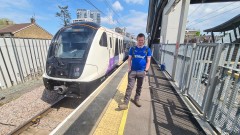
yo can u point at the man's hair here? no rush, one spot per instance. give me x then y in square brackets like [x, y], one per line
[140, 35]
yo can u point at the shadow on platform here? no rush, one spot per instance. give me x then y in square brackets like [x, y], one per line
[171, 115]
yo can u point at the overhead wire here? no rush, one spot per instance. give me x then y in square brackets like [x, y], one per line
[195, 10]
[89, 2]
[214, 16]
[107, 3]
[211, 12]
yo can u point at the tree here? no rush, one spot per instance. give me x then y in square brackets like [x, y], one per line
[198, 33]
[5, 21]
[64, 15]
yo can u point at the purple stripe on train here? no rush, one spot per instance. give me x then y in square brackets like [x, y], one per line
[111, 64]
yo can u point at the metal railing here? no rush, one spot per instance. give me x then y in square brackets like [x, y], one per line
[21, 59]
[209, 75]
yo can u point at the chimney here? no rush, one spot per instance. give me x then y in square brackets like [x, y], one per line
[32, 20]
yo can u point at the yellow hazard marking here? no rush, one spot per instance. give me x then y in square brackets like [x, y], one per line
[114, 120]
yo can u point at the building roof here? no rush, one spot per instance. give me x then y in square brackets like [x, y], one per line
[15, 28]
[2, 26]
[226, 26]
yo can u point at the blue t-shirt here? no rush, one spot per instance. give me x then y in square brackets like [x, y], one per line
[139, 60]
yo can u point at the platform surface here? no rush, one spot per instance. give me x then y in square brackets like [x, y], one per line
[162, 111]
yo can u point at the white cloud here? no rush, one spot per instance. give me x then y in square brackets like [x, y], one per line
[210, 15]
[117, 6]
[135, 22]
[15, 4]
[21, 11]
[208, 10]
[108, 19]
[141, 2]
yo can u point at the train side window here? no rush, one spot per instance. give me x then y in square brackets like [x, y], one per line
[120, 48]
[110, 39]
[124, 44]
[116, 47]
[103, 40]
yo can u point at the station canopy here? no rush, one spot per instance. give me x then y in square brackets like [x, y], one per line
[226, 26]
[210, 1]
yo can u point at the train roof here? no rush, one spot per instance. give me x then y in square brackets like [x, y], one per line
[95, 25]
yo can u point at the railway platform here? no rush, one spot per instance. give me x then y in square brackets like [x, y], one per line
[163, 110]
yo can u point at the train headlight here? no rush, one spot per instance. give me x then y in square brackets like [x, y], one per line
[49, 69]
[76, 72]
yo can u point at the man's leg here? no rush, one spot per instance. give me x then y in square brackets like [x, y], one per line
[131, 82]
[140, 78]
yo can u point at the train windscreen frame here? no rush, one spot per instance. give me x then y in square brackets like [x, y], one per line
[73, 42]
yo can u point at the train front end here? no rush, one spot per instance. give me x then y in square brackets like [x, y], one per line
[66, 58]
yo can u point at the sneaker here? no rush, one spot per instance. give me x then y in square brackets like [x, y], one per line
[123, 107]
[137, 103]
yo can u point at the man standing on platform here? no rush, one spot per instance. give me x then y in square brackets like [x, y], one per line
[138, 65]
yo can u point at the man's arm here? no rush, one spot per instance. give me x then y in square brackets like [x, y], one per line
[148, 63]
[149, 54]
[129, 62]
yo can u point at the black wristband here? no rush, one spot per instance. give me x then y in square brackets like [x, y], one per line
[145, 70]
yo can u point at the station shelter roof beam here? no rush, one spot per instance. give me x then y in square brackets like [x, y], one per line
[210, 1]
[226, 26]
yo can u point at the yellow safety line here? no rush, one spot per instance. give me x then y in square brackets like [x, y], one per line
[123, 121]
[113, 121]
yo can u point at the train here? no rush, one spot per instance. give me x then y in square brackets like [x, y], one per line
[81, 54]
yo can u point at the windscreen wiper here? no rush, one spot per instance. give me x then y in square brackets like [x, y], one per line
[59, 61]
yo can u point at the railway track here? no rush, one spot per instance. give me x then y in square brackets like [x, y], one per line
[48, 119]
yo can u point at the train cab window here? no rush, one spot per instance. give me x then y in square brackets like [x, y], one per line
[103, 40]
[73, 42]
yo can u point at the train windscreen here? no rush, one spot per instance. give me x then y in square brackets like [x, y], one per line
[74, 41]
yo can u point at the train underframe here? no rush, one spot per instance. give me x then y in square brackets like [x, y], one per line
[72, 89]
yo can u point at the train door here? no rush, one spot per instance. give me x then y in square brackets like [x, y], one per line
[120, 51]
[116, 51]
[103, 51]
[111, 46]
[110, 52]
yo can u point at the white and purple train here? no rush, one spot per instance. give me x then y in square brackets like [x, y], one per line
[83, 53]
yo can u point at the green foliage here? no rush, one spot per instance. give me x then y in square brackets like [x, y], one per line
[5, 21]
[198, 33]
[64, 15]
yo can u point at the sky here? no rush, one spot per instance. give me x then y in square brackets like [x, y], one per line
[131, 14]
[205, 16]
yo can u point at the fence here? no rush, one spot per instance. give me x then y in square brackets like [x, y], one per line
[209, 75]
[21, 59]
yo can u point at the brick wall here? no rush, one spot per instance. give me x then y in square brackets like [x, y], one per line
[33, 32]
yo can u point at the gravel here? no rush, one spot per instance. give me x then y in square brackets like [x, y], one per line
[24, 107]
[14, 92]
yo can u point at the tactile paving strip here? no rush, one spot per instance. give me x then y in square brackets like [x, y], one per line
[113, 121]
